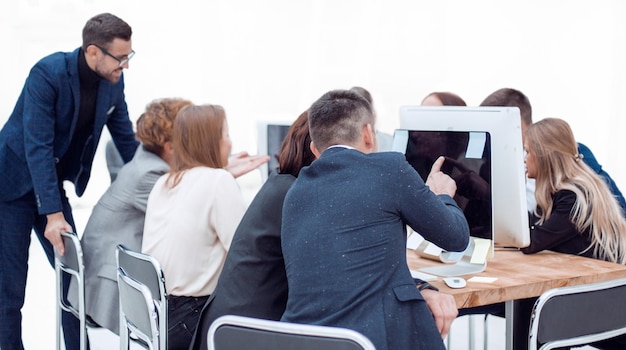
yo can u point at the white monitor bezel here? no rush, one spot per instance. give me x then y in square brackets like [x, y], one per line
[510, 216]
[262, 141]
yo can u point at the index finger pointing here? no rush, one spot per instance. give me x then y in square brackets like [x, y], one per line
[438, 164]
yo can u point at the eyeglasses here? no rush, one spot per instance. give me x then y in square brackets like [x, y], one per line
[120, 61]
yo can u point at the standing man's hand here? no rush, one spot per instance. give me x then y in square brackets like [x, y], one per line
[56, 224]
[438, 182]
[443, 308]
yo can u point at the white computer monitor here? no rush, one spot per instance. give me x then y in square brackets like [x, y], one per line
[490, 142]
[270, 136]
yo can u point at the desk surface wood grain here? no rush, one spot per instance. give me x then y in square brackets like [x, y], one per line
[522, 276]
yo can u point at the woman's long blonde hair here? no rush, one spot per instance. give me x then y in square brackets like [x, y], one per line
[196, 140]
[560, 167]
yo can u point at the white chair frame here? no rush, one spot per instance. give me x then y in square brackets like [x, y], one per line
[296, 335]
[70, 263]
[594, 309]
[145, 270]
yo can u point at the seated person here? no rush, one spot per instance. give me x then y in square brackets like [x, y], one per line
[253, 281]
[443, 99]
[191, 216]
[118, 217]
[344, 230]
[515, 98]
[576, 212]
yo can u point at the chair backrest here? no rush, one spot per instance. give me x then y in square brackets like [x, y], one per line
[146, 270]
[578, 315]
[140, 311]
[70, 263]
[143, 268]
[239, 332]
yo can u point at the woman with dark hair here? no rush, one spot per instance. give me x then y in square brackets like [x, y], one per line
[443, 99]
[253, 282]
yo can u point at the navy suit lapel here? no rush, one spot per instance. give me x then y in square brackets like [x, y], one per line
[72, 70]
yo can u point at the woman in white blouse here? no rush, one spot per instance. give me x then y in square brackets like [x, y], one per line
[191, 217]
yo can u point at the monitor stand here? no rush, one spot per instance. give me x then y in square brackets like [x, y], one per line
[474, 260]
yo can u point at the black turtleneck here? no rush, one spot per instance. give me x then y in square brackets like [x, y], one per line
[69, 166]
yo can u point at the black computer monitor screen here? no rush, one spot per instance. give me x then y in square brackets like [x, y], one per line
[468, 162]
[496, 131]
[275, 136]
[269, 141]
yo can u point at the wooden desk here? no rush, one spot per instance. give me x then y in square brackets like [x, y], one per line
[521, 276]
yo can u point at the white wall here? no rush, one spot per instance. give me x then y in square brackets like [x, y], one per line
[271, 59]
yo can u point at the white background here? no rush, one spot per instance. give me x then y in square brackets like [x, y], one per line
[271, 59]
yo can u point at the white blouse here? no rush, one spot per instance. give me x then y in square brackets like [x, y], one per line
[189, 228]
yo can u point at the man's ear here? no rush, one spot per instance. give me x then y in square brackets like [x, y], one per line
[368, 136]
[91, 51]
[91, 56]
[314, 149]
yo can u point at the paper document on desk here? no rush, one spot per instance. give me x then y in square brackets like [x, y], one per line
[428, 250]
[482, 249]
[415, 241]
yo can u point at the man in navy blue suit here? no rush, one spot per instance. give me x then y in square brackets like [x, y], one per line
[344, 230]
[51, 137]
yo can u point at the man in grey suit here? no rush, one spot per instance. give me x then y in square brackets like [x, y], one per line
[344, 230]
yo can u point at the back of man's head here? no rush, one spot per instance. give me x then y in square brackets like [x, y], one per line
[507, 97]
[338, 117]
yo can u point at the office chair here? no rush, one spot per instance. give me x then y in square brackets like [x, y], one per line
[237, 332]
[140, 315]
[71, 263]
[146, 270]
[578, 315]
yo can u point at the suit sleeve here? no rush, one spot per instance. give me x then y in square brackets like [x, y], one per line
[436, 217]
[39, 133]
[559, 227]
[121, 128]
[144, 186]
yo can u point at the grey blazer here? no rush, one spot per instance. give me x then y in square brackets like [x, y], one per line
[117, 218]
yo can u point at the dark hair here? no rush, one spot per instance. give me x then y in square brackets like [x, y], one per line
[507, 97]
[337, 118]
[295, 152]
[361, 91]
[103, 28]
[448, 98]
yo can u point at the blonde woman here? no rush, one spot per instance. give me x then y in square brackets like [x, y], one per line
[192, 214]
[576, 212]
